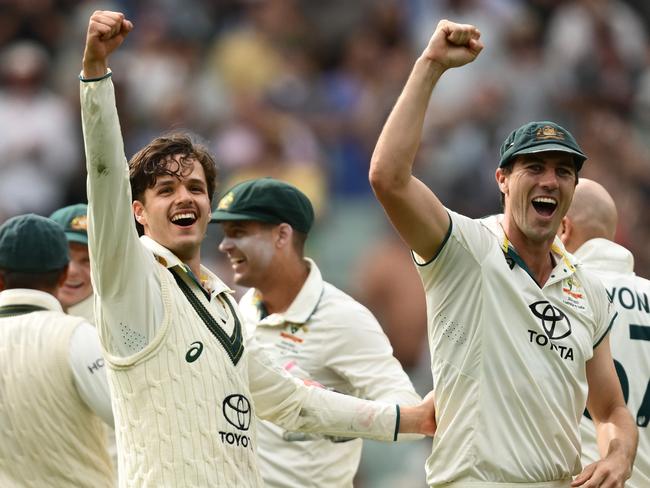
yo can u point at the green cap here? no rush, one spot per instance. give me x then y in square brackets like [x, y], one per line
[32, 244]
[535, 137]
[266, 200]
[74, 221]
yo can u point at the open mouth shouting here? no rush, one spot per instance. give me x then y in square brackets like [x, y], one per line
[184, 219]
[545, 206]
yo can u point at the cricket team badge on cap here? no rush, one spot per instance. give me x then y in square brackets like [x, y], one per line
[80, 222]
[226, 201]
[549, 132]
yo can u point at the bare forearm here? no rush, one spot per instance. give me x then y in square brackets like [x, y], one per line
[618, 436]
[398, 143]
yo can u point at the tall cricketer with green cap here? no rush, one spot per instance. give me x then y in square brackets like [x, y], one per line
[311, 328]
[518, 330]
[53, 394]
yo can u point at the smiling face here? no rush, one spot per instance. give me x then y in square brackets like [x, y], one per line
[250, 247]
[77, 287]
[538, 191]
[175, 211]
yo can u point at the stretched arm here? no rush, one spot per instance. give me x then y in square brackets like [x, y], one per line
[288, 402]
[616, 433]
[123, 271]
[414, 210]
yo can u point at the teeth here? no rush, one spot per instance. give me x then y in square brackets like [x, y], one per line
[545, 200]
[188, 215]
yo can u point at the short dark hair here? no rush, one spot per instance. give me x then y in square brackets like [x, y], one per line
[157, 159]
[298, 242]
[46, 281]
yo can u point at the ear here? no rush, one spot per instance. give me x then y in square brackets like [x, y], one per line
[284, 233]
[502, 180]
[138, 212]
[565, 231]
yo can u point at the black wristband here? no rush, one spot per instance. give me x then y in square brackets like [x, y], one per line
[88, 80]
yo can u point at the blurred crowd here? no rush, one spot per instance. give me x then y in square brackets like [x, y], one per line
[299, 90]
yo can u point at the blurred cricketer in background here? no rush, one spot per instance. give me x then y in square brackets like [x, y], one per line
[588, 232]
[311, 328]
[76, 294]
[515, 357]
[186, 384]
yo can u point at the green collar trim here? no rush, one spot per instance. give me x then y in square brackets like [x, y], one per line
[233, 344]
[15, 310]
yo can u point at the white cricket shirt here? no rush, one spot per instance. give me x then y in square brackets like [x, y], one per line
[629, 341]
[508, 360]
[328, 337]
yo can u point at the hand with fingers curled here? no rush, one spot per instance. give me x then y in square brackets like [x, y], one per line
[106, 32]
[453, 45]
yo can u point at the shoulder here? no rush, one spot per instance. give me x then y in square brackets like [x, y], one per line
[338, 307]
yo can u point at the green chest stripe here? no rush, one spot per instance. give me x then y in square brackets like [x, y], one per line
[233, 344]
[14, 310]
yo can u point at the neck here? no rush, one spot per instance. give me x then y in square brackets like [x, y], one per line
[284, 285]
[536, 254]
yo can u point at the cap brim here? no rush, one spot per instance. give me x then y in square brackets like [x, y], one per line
[77, 237]
[220, 216]
[548, 148]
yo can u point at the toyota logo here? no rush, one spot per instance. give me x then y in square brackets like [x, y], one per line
[237, 410]
[554, 322]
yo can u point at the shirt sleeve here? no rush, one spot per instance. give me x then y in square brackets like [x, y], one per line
[288, 402]
[361, 353]
[89, 372]
[123, 271]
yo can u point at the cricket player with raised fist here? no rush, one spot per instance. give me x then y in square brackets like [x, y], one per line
[588, 232]
[186, 383]
[518, 331]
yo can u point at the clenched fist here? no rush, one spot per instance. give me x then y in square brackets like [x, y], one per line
[106, 31]
[453, 45]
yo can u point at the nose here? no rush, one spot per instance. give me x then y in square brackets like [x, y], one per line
[549, 179]
[183, 194]
[225, 245]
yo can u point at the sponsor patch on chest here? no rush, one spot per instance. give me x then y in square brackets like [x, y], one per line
[573, 294]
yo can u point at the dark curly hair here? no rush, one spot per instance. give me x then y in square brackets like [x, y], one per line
[157, 159]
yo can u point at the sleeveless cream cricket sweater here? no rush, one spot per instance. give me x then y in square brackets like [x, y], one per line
[183, 411]
[48, 435]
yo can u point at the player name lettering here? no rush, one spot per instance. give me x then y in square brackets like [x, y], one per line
[629, 299]
[565, 352]
[235, 439]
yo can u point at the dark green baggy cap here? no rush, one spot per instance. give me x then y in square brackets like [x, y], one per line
[32, 244]
[543, 136]
[74, 221]
[266, 200]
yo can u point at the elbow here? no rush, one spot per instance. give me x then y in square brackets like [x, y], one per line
[381, 180]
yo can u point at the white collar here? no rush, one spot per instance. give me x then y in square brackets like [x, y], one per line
[303, 304]
[26, 296]
[168, 259]
[605, 255]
